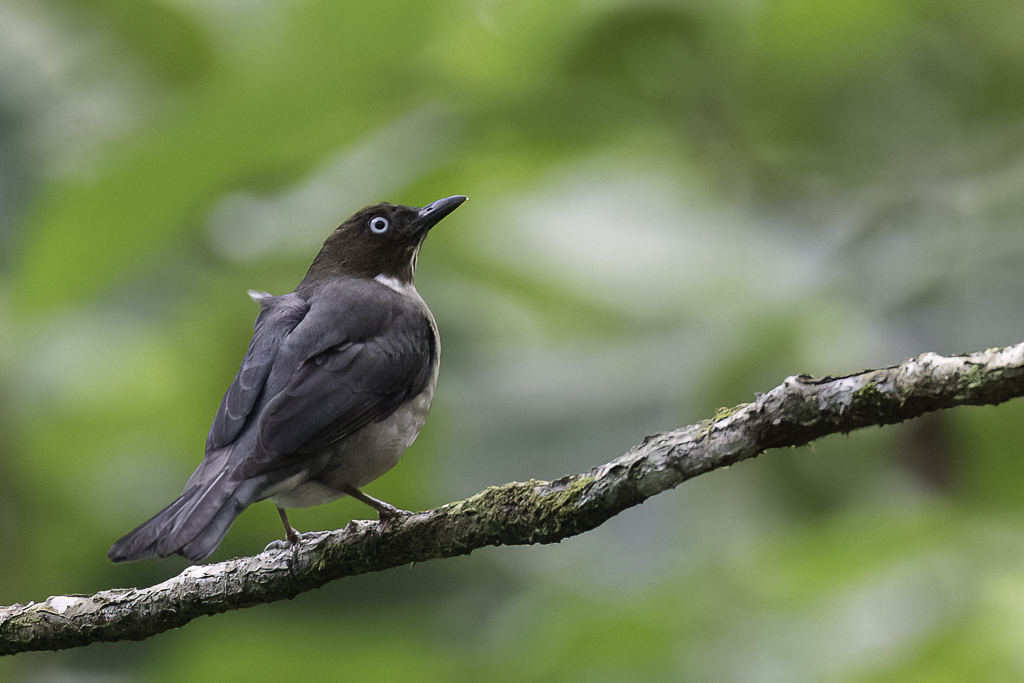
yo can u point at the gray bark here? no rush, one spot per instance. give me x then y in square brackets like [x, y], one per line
[796, 412]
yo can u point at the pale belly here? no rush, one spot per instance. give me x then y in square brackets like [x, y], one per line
[356, 460]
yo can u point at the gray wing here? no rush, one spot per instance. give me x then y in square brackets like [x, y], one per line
[360, 352]
[279, 315]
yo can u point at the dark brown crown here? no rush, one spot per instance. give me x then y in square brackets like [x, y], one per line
[383, 239]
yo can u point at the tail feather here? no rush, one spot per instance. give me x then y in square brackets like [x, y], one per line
[193, 525]
[195, 512]
[209, 537]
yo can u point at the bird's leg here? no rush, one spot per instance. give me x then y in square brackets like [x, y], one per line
[291, 537]
[384, 510]
[290, 534]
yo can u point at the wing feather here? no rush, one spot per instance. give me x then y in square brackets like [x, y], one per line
[357, 374]
[279, 315]
[320, 369]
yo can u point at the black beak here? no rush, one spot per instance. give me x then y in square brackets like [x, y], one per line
[431, 214]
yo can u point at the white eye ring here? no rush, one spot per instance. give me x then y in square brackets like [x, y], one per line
[379, 225]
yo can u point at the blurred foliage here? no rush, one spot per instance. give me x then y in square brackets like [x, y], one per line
[673, 205]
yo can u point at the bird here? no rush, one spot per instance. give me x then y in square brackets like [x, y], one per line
[335, 386]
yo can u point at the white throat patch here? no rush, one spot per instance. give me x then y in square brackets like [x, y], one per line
[395, 284]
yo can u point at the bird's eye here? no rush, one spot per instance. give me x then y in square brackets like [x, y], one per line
[379, 225]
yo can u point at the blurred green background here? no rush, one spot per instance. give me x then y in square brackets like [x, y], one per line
[673, 205]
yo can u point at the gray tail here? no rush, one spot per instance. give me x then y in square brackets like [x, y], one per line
[193, 525]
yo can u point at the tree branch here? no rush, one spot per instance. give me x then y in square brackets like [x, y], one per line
[796, 412]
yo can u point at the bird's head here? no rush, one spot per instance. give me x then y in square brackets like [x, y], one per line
[383, 239]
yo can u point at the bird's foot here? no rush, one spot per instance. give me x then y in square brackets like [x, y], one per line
[291, 547]
[388, 512]
[385, 511]
[292, 538]
[280, 544]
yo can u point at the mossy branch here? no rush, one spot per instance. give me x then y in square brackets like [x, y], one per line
[799, 410]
